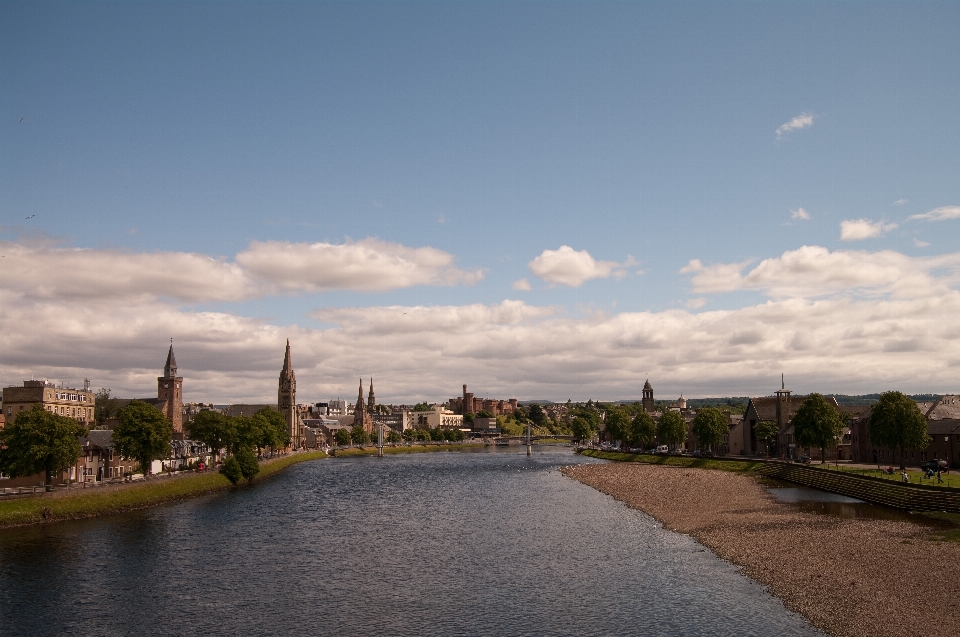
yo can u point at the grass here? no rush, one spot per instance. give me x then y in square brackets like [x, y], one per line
[951, 480]
[414, 448]
[741, 466]
[21, 511]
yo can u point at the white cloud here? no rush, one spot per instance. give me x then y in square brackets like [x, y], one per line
[938, 214]
[368, 265]
[900, 202]
[44, 271]
[814, 271]
[521, 284]
[799, 213]
[566, 266]
[920, 244]
[696, 304]
[858, 229]
[803, 120]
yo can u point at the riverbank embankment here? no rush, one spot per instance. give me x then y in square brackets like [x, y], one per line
[346, 452]
[856, 577]
[106, 500]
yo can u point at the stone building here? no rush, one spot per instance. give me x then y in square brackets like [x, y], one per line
[287, 401]
[943, 427]
[649, 404]
[170, 391]
[78, 404]
[360, 414]
[470, 404]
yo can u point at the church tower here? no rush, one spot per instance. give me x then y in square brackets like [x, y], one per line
[360, 415]
[287, 400]
[371, 400]
[170, 391]
[649, 405]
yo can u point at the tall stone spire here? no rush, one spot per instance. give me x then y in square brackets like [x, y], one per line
[360, 415]
[371, 400]
[287, 400]
[170, 369]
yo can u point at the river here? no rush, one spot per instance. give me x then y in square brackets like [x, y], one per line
[476, 543]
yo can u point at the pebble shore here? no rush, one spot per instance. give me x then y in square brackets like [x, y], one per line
[849, 577]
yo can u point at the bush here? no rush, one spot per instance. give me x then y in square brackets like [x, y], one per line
[249, 467]
[231, 470]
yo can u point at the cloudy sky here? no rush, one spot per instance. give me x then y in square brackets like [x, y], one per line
[542, 200]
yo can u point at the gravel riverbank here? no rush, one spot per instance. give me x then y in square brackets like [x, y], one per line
[856, 577]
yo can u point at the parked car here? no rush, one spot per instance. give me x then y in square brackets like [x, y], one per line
[662, 449]
[803, 459]
[934, 465]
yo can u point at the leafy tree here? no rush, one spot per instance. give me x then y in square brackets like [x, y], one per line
[249, 434]
[249, 467]
[39, 441]
[617, 424]
[232, 470]
[766, 430]
[342, 437]
[143, 434]
[436, 434]
[105, 407]
[457, 435]
[817, 424]
[214, 430]
[710, 426]
[897, 422]
[537, 415]
[422, 407]
[359, 436]
[582, 429]
[520, 414]
[394, 436]
[468, 419]
[276, 433]
[483, 413]
[643, 430]
[672, 428]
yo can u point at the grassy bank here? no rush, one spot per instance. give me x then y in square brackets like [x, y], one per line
[742, 466]
[89, 503]
[372, 451]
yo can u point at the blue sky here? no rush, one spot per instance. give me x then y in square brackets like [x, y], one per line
[491, 132]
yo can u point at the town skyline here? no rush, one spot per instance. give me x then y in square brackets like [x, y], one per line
[541, 200]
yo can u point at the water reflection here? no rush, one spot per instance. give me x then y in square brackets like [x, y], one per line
[466, 544]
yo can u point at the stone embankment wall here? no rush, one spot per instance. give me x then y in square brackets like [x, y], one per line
[869, 489]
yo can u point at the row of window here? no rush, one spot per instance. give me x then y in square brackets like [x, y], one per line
[74, 397]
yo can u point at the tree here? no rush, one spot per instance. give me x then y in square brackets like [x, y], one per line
[537, 415]
[483, 413]
[817, 424]
[249, 467]
[359, 436]
[897, 422]
[143, 434]
[276, 433]
[394, 436]
[249, 433]
[617, 424]
[422, 407]
[643, 429]
[672, 428]
[766, 430]
[214, 430]
[105, 407]
[710, 426]
[436, 434]
[231, 469]
[38, 441]
[342, 437]
[582, 429]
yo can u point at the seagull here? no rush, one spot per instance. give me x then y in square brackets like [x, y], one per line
[32, 216]
[21, 119]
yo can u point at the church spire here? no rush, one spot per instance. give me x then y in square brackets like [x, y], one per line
[170, 369]
[371, 400]
[287, 362]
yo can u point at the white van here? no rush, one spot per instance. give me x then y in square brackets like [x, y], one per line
[662, 449]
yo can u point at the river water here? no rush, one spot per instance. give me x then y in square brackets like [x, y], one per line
[480, 543]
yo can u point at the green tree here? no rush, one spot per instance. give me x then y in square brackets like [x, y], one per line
[456, 435]
[537, 415]
[422, 407]
[232, 470]
[766, 430]
[617, 424]
[436, 434]
[896, 422]
[394, 436]
[643, 430]
[249, 467]
[249, 434]
[105, 407]
[143, 434]
[38, 441]
[483, 413]
[817, 424]
[276, 433]
[214, 430]
[672, 428]
[710, 426]
[342, 437]
[358, 436]
[582, 429]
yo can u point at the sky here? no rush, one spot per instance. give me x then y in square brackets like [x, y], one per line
[542, 200]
